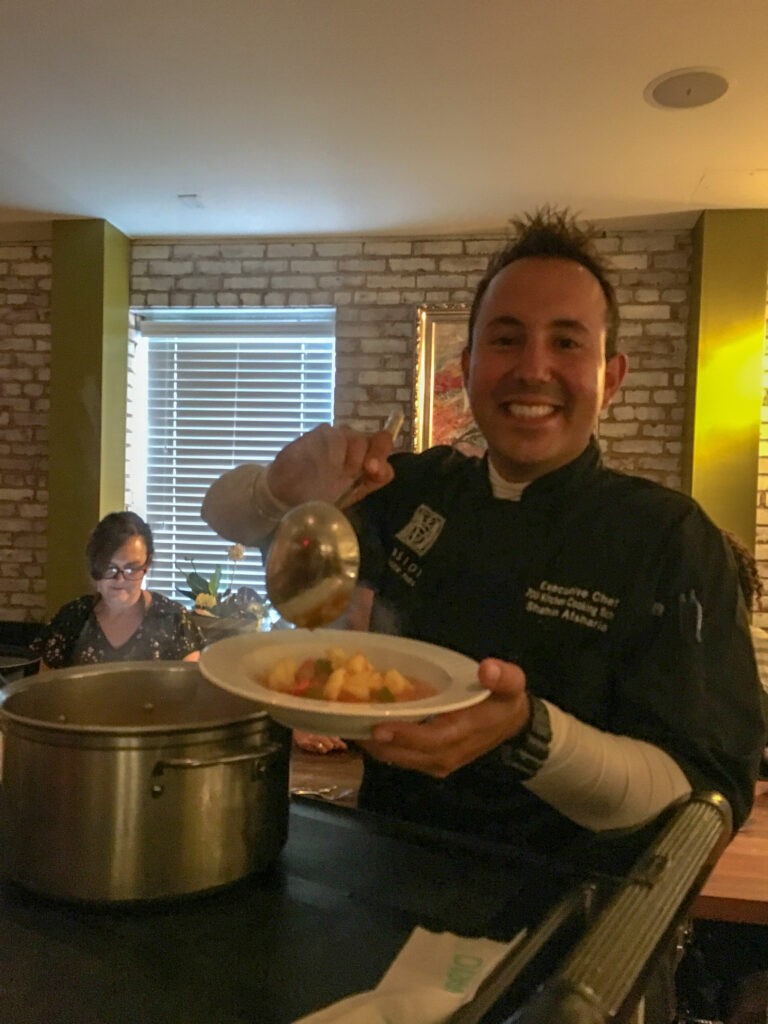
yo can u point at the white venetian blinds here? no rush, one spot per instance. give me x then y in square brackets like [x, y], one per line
[223, 387]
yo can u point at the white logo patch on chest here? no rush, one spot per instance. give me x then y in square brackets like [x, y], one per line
[422, 530]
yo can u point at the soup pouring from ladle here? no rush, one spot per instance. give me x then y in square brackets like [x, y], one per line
[314, 558]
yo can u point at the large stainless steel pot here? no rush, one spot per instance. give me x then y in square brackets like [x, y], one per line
[137, 780]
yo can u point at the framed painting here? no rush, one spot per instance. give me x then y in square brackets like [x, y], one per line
[441, 412]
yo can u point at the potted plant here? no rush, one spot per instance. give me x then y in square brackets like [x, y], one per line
[224, 612]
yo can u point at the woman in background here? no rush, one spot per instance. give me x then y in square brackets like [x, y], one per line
[120, 621]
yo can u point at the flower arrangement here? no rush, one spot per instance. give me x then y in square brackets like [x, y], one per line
[212, 602]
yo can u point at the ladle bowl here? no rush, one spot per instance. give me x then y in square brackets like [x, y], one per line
[312, 565]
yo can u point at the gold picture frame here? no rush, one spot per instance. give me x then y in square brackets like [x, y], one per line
[441, 413]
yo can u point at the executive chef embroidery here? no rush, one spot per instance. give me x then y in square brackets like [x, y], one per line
[590, 608]
[422, 530]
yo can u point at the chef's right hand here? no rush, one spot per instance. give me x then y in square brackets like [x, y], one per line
[323, 462]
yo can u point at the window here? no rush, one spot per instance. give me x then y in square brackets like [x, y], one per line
[211, 389]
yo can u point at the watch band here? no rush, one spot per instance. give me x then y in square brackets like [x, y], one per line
[527, 752]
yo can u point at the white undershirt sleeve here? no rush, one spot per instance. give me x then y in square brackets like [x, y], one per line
[603, 781]
[239, 505]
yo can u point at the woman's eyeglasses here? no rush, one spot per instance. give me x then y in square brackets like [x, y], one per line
[130, 572]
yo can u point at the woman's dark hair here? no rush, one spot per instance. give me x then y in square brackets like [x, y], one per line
[552, 234]
[110, 534]
[749, 577]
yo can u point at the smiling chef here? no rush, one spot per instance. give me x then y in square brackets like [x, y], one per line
[604, 609]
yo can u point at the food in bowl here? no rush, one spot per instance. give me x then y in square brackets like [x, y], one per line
[337, 676]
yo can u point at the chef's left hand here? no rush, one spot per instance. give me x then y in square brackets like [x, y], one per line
[447, 742]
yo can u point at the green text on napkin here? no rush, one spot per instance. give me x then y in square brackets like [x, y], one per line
[433, 975]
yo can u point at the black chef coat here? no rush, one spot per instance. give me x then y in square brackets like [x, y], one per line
[617, 597]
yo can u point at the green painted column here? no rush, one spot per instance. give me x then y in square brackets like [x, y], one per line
[725, 350]
[89, 347]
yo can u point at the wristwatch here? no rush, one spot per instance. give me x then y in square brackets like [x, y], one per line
[527, 752]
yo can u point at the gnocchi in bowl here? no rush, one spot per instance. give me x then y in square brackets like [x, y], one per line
[335, 675]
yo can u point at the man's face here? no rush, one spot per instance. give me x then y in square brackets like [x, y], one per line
[536, 374]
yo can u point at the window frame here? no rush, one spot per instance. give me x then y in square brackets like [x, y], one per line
[276, 350]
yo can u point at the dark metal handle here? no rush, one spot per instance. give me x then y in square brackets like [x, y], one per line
[601, 980]
[603, 977]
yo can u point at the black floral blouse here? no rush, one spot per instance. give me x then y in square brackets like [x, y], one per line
[74, 636]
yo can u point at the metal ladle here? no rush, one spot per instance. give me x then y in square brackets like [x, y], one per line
[314, 559]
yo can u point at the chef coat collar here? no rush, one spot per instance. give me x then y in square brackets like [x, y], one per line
[555, 487]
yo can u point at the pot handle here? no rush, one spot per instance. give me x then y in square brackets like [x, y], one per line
[260, 758]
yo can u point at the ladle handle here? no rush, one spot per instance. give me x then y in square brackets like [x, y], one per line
[393, 425]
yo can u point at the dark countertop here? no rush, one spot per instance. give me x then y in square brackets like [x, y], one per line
[324, 922]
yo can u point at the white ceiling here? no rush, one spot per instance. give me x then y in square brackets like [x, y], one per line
[393, 116]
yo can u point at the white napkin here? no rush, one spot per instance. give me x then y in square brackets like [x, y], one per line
[433, 975]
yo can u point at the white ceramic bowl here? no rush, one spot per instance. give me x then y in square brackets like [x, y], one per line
[237, 663]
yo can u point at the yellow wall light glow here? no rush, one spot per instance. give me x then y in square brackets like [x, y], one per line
[725, 348]
[729, 387]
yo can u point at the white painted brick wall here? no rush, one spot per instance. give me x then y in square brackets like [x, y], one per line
[642, 431]
[25, 285]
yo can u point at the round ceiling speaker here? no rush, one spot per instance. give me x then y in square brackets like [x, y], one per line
[686, 87]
